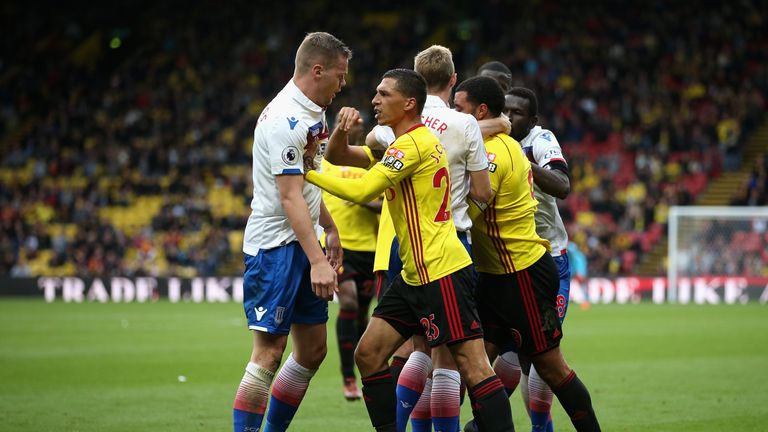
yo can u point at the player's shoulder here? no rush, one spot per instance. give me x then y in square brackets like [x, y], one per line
[510, 147]
[541, 137]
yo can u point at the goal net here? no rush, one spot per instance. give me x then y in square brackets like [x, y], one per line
[715, 242]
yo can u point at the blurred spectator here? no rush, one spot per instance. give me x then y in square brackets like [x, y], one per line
[104, 112]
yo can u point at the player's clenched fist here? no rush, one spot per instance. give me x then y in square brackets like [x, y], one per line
[347, 118]
[324, 282]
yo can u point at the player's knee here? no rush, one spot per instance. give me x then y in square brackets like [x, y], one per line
[368, 359]
[551, 367]
[347, 303]
[269, 357]
[317, 354]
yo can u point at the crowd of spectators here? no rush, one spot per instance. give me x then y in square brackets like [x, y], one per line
[724, 247]
[103, 107]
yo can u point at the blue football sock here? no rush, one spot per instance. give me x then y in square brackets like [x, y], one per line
[421, 425]
[279, 415]
[246, 421]
[406, 400]
[539, 421]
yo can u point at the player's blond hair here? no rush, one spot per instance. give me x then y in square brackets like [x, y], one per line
[435, 64]
[319, 48]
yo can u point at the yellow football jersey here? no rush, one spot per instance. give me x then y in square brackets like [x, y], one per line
[384, 240]
[420, 205]
[357, 225]
[504, 238]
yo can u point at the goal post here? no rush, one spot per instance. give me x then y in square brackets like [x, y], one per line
[715, 241]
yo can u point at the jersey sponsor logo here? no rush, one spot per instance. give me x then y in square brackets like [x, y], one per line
[553, 153]
[491, 159]
[260, 311]
[290, 155]
[292, 122]
[393, 158]
[279, 314]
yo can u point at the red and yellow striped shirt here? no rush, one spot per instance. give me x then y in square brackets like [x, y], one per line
[419, 201]
[504, 238]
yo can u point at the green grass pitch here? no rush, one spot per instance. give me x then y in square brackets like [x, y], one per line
[116, 367]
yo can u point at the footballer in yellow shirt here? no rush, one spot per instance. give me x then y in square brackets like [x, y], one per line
[518, 280]
[434, 292]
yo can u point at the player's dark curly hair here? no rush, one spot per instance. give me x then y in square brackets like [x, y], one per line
[410, 84]
[526, 93]
[484, 90]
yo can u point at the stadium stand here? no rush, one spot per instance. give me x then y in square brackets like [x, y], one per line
[125, 131]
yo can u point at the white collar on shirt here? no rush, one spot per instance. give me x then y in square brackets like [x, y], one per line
[435, 102]
[301, 98]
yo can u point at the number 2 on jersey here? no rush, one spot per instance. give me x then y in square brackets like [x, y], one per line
[444, 213]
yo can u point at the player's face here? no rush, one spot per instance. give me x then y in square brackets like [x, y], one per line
[462, 105]
[504, 80]
[516, 108]
[388, 103]
[333, 79]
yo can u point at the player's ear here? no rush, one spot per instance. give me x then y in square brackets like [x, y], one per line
[452, 81]
[317, 70]
[410, 104]
[482, 111]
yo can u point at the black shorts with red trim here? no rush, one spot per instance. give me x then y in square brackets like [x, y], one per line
[359, 266]
[380, 283]
[519, 310]
[444, 310]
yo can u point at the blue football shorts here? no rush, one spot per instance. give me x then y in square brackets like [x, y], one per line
[277, 290]
[563, 294]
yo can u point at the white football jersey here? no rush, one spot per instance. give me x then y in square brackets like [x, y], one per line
[461, 137]
[541, 147]
[290, 126]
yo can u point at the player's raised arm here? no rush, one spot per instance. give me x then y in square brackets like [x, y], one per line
[338, 151]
